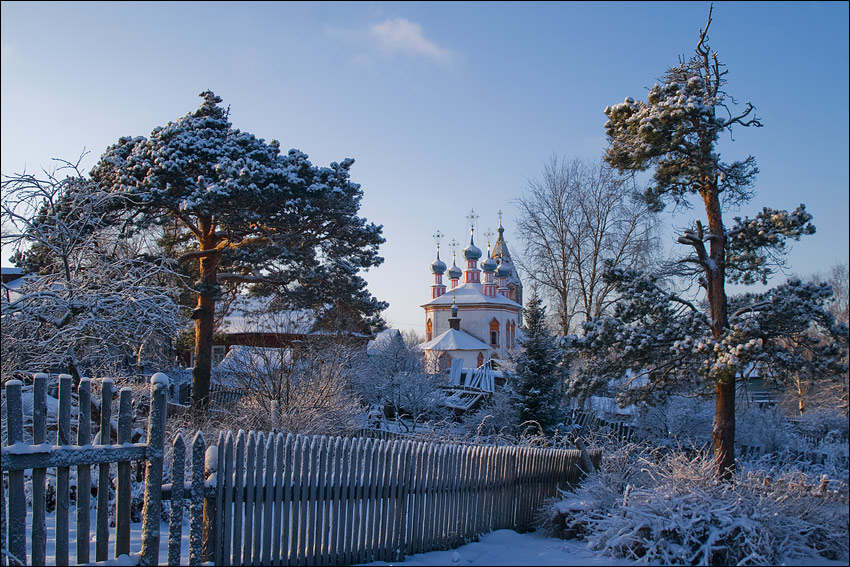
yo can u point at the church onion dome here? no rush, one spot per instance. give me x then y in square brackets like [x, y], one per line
[504, 271]
[455, 272]
[438, 267]
[489, 265]
[471, 252]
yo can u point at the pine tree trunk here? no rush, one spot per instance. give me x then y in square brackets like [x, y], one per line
[204, 320]
[203, 352]
[723, 430]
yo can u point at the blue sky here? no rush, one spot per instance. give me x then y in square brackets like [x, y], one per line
[445, 106]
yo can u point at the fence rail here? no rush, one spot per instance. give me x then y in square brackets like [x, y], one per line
[257, 497]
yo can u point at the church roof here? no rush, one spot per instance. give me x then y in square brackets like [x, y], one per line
[471, 294]
[454, 340]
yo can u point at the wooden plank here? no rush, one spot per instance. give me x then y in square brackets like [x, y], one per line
[310, 503]
[337, 556]
[387, 502]
[510, 477]
[498, 485]
[336, 517]
[39, 436]
[417, 528]
[368, 495]
[422, 498]
[63, 474]
[258, 497]
[268, 505]
[239, 491]
[304, 496]
[443, 496]
[319, 480]
[296, 539]
[250, 463]
[153, 475]
[375, 487]
[218, 516]
[451, 496]
[103, 483]
[18, 459]
[196, 518]
[280, 460]
[122, 491]
[286, 552]
[17, 542]
[463, 468]
[480, 489]
[430, 497]
[325, 502]
[83, 472]
[380, 482]
[227, 501]
[3, 520]
[175, 522]
[360, 489]
[348, 497]
[401, 501]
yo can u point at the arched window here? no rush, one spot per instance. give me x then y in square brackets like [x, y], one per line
[494, 333]
[429, 330]
[480, 358]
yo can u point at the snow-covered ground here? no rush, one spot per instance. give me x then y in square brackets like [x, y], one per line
[507, 547]
[501, 547]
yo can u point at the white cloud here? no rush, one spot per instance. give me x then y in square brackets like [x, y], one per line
[391, 37]
[399, 35]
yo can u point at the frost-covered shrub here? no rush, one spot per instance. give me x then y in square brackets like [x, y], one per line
[657, 506]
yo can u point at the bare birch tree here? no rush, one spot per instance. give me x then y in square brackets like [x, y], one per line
[93, 298]
[573, 218]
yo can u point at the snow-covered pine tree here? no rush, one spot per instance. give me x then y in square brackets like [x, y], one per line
[539, 369]
[657, 342]
[676, 132]
[274, 222]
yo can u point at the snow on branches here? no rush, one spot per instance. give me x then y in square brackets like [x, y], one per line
[657, 342]
[92, 297]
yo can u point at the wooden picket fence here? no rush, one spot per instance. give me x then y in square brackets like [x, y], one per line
[79, 452]
[293, 500]
[267, 498]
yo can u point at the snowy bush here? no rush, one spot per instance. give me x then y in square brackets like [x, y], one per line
[660, 506]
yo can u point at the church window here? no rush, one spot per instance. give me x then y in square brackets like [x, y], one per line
[480, 359]
[429, 330]
[494, 333]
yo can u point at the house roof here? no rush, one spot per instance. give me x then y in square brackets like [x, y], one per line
[455, 340]
[386, 340]
[471, 294]
[252, 315]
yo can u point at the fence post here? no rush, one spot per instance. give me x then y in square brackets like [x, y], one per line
[63, 473]
[83, 471]
[39, 436]
[153, 475]
[122, 492]
[102, 518]
[196, 520]
[17, 500]
[210, 468]
[175, 524]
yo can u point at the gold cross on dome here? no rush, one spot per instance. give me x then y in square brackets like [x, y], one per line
[488, 235]
[471, 218]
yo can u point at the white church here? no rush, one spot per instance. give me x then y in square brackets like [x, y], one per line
[474, 320]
